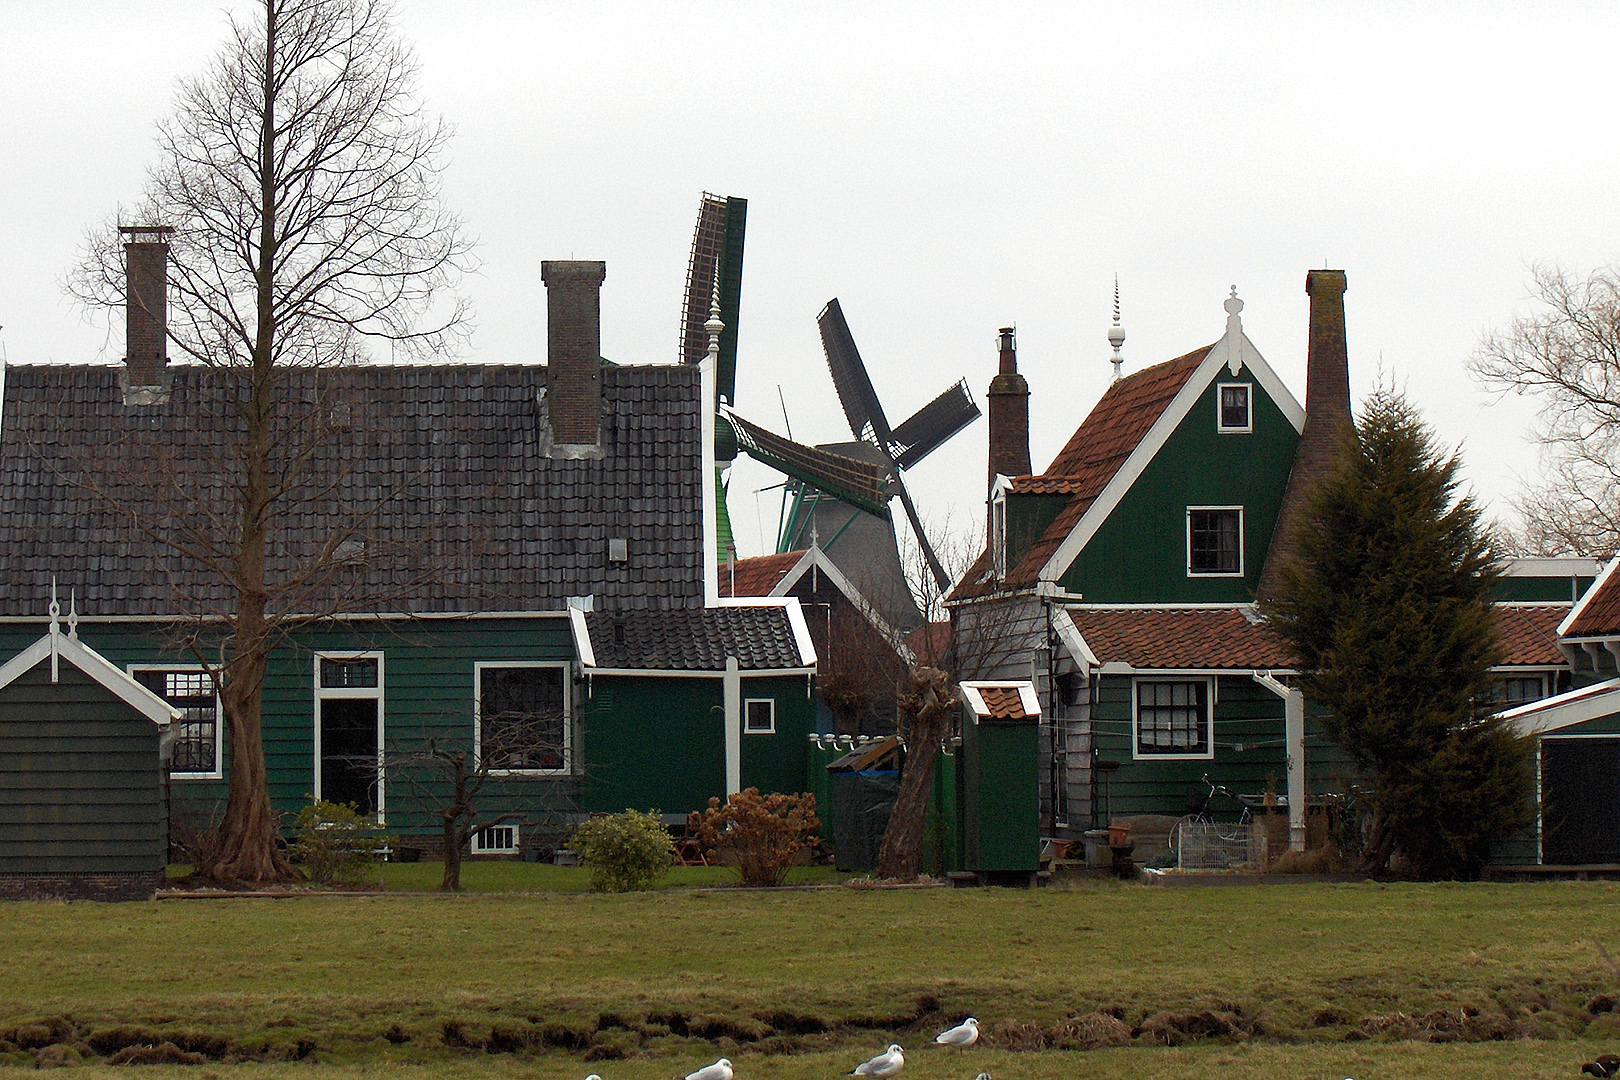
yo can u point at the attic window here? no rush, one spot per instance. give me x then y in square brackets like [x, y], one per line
[1235, 416]
[1215, 541]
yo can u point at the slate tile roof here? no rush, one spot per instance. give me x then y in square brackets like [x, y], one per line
[1599, 614]
[1167, 638]
[436, 479]
[1529, 634]
[757, 576]
[1120, 420]
[760, 637]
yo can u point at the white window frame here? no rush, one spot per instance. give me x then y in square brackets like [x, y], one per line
[998, 533]
[568, 715]
[1248, 425]
[376, 692]
[476, 846]
[1209, 717]
[218, 772]
[1241, 553]
[757, 730]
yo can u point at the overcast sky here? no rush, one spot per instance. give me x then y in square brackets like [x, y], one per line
[943, 170]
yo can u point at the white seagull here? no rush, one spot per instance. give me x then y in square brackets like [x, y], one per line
[593, 1076]
[885, 1064]
[982, 1076]
[720, 1070]
[964, 1034]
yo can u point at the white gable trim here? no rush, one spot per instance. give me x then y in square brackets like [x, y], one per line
[1027, 699]
[1564, 710]
[801, 632]
[1580, 606]
[818, 558]
[96, 667]
[1074, 642]
[1233, 352]
[582, 638]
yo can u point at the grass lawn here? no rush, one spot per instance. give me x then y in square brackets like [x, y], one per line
[804, 984]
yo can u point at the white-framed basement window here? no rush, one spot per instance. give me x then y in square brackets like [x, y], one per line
[1173, 718]
[1214, 541]
[759, 716]
[521, 717]
[349, 731]
[196, 753]
[1234, 408]
[495, 840]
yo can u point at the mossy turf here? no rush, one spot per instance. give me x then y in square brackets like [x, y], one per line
[1298, 980]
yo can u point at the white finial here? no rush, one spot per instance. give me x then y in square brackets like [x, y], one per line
[1234, 333]
[714, 326]
[56, 630]
[815, 533]
[1116, 334]
[73, 614]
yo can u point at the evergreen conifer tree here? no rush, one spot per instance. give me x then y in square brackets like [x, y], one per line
[1387, 605]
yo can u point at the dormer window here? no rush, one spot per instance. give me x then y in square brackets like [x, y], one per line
[1234, 413]
[998, 534]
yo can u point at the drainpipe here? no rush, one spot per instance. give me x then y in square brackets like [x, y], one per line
[733, 703]
[1294, 734]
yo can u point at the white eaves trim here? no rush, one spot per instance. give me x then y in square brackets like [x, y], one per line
[582, 637]
[972, 693]
[1563, 566]
[96, 667]
[1580, 606]
[1073, 641]
[817, 558]
[1564, 710]
[1234, 352]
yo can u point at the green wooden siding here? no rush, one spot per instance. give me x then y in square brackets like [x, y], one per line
[1027, 519]
[1247, 715]
[1139, 555]
[81, 779]
[778, 762]
[1549, 590]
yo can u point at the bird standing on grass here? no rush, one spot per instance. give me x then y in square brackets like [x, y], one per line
[593, 1076]
[964, 1034]
[885, 1064]
[982, 1076]
[720, 1070]
[1605, 1066]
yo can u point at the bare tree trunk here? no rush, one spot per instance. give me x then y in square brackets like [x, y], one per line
[929, 706]
[454, 833]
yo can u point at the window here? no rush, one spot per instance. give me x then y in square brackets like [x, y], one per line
[495, 840]
[998, 535]
[1215, 541]
[195, 753]
[1519, 690]
[349, 731]
[1173, 719]
[759, 716]
[521, 717]
[1234, 413]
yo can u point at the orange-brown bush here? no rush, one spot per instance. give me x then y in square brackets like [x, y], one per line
[761, 834]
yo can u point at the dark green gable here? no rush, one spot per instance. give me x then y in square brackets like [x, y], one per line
[1139, 555]
[81, 779]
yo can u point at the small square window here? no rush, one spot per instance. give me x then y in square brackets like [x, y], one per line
[495, 840]
[1215, 541]
[1235, 414]
[759, 716]
[1172, 719]
[1519, 690]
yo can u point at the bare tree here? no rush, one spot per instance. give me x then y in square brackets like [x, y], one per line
[1567, 353]
[300, 176]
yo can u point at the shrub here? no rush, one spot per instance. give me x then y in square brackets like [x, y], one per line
[761, 835]
[337, 845]
[625, 852]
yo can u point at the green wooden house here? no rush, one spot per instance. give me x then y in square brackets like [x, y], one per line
[84, 754]
[440, 529]
[1123, 580]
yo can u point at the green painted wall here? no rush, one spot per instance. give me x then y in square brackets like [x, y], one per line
[654, 744]
[1027, 519]
[999, 794]
[1246, 715]
[81, 779]
[777, 762]
[1551, 590]
[1139, 555]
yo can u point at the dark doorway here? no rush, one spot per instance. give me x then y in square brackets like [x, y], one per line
[349, 752]
[1580, 801]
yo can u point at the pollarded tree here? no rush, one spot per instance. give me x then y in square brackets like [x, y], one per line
[300, 176]
[1387, 605]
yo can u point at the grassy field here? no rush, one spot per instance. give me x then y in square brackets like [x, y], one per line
[1288, 978]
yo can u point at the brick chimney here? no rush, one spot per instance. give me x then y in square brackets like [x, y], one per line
[146, 302]
[1009, 415]
[1328, 422]
[574, 349]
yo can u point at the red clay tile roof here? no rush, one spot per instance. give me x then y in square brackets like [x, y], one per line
[929, 642]
[1118, 422]
[1530, 633]
[759, 575]
[1600, 610]
[1002, 702]
[1211, 638]
[1044, 485]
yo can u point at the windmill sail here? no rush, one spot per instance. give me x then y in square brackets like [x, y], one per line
[717, 256]
[859, 483]
[933, 424]
[854, 386]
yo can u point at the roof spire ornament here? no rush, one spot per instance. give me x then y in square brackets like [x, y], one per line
[73, 615]
[714, 327]
[1116, 334]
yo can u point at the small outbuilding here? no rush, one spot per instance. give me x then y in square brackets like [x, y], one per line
[83, 763]
[1577, 761]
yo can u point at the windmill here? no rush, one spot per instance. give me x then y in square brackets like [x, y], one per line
[863, 479]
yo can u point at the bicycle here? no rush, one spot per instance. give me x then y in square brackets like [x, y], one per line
[1225, 832]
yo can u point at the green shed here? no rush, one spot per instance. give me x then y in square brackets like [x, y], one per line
[83, 751]
[998, 781]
